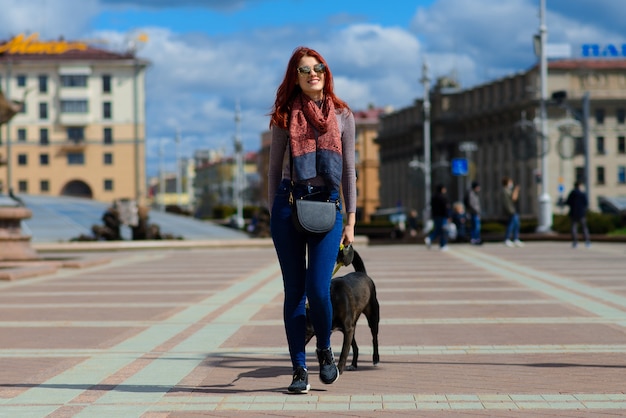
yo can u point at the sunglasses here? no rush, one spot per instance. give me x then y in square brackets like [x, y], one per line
[306, 70]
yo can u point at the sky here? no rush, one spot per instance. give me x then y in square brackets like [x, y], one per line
[207, 56]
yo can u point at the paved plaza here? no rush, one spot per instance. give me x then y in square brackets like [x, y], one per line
[196, 332]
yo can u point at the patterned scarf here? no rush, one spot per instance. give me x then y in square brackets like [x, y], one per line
[315, 141]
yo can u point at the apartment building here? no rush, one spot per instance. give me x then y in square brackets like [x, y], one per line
[81, 131]
[497, 118]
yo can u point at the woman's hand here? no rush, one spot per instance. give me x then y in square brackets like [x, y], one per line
[347, 237]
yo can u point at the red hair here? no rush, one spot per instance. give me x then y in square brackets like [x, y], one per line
[289, 88]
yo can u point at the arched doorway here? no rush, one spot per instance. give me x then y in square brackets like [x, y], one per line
[77, 188]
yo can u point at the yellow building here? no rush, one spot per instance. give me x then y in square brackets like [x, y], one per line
[81, 131]
[367, 162]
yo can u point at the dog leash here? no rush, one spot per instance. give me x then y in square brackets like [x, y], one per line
[338, 265]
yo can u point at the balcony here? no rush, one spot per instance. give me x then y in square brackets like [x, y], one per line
[72, 145]
[69, 119]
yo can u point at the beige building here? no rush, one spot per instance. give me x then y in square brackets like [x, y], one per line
[81, 131]
[500, 119]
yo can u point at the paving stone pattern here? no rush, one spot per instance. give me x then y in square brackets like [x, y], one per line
[475, 331]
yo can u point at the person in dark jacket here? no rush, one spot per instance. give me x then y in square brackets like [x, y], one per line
[472, 206]
[440, 210]
[577, 202]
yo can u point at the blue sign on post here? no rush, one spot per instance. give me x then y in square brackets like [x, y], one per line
[459, 167]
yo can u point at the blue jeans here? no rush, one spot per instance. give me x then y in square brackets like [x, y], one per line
[512, 228]
[439, 230]
[302, 281]
[475, 231]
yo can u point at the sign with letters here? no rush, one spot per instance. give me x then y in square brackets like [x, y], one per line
[31, 45]
[604, 50]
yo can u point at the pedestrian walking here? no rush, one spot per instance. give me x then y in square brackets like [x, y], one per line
[510, 196]
[312, 154]
[578, 203]
[440, 210]
[472, 206]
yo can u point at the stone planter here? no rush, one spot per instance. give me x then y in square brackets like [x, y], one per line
[14, 245]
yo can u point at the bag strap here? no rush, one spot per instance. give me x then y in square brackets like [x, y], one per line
[293, 183]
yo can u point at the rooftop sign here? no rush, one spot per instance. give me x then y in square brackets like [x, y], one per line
[604, 50]
[31, 44]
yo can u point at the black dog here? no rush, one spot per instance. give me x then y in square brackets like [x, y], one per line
[352, 295]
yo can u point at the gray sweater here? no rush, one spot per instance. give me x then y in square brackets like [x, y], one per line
[279, 162]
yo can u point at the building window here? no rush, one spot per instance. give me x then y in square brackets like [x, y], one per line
[621, 174]
[75, 158]
[23, 108]
[621, 145]
[108, 135]
[21, 134]
[44, 186]
[600, 116]
[74, 106]
[43, 110]
[106, 110]
[43, 136]
[580, 174]
[22, 159]
[76, 133]
[21, 80]
[600, 175]
[22, 186]
[43, 83]
[621, 115]
[44, 159]
[106, 83]
[108, 185]
[74, 80]
[108, 158]
[600, 145]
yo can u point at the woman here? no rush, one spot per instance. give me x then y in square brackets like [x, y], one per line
[510, 195]
[313, 138]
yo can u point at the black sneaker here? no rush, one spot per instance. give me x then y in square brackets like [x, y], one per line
[300, 382]
[328, 369]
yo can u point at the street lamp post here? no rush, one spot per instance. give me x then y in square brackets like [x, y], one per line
[427, 163]
[545, 205]
[560, 98]
[585, 123]
[238, 189]
[178, 170]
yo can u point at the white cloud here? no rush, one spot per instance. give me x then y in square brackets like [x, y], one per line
[195, 79]
[50, 19]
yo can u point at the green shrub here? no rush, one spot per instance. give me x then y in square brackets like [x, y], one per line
[492, 227]
[598, 223]
[223, 211]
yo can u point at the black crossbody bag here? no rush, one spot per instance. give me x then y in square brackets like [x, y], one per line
[313, 217]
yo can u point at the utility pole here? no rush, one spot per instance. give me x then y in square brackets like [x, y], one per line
[9, 186]
[545, 205]
[178, 169]
[238, 189]
[585, 124]
[161, 199]
[427, 164]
